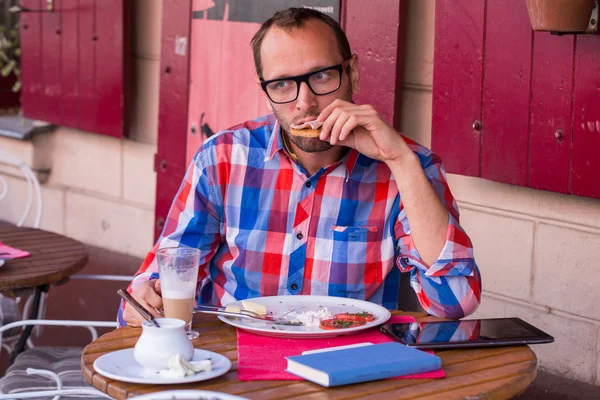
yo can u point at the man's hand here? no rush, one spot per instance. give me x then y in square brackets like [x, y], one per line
[361, 127]
[148, 295]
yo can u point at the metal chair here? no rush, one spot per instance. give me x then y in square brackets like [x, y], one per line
[57, 371]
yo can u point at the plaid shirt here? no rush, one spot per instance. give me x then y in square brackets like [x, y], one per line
[265, 227]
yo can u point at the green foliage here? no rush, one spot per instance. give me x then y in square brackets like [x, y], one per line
[10, 54]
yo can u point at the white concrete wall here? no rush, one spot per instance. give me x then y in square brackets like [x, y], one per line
[539, 252]
[101, 190]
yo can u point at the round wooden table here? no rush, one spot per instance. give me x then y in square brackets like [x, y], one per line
[493, 373]
[53, 258]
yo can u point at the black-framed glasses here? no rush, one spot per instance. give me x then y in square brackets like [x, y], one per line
[321, 82]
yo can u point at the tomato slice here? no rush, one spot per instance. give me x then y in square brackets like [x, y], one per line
[337, 323]
[359, 316]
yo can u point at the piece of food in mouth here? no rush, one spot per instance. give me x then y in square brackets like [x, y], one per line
[254, 307]
[335, 323]
[359, 316]
[310, 129]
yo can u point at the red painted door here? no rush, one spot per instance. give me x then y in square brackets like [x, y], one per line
[223, 87]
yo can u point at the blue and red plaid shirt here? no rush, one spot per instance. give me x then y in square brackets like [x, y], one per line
[265, 227]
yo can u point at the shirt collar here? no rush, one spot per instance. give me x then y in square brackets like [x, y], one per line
[276, 144]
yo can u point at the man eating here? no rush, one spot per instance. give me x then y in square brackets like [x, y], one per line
[321, 197]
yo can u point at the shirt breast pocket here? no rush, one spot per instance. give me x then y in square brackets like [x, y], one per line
[356, 254]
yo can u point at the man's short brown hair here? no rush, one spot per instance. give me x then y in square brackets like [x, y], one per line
[294, 18]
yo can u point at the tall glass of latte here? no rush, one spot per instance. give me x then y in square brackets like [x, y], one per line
[178, 270]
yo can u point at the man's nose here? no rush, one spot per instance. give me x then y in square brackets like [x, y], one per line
[306, 100]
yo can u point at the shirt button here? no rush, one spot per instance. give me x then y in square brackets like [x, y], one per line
[307, 184]
[294, 286]
[300, 236]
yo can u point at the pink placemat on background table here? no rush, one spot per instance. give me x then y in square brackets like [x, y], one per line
[11, 252]
[263, 357]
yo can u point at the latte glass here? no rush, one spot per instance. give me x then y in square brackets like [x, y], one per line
[178, 270]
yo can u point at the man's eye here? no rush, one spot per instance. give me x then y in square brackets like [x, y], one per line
[321, 76]
[281, 85]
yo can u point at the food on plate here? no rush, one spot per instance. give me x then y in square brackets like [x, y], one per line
[308, 129]
[310, 318]
[334, 323]
[254, 307]
[180, 368]
[359, 316]
[232, 308]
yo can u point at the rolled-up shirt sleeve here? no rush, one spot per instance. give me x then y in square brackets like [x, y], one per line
[451, 286]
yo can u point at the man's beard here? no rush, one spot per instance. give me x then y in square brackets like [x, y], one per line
[306, 144]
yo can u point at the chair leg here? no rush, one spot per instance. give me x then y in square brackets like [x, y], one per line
[20, 346]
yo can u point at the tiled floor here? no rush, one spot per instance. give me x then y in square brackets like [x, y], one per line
[97, 300]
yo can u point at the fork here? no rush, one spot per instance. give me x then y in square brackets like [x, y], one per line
[246, 314]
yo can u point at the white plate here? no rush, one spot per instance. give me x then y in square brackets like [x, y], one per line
[279, 305]
[187, 395]
[121, 365]
[1, 263]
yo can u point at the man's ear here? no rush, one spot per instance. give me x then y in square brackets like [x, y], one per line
[267, 101]
[354, 73]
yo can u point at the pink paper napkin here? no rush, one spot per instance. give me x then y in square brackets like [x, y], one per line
[11, 252]
[263, 357]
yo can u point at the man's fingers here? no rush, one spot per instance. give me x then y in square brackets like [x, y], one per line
[337, 127]
[131, 316]
[329, 109]
[149, 296]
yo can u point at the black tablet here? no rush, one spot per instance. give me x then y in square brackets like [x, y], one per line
[466, 333]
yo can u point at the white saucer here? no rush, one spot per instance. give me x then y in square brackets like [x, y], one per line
[187, 395]
[120, 365]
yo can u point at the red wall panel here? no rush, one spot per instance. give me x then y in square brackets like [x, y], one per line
[31, 58]
[539, 113]
[173, 108]
[87, 65]
[51, 72]
[69, 103]
[551, 94]
[457, 78]
[75, 62]
[585, 179]
[506, 93]
[112, 54]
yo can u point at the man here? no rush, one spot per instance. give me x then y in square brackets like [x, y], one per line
[279, 214]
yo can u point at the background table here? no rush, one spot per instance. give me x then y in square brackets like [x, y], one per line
[498, 373]
[53, 258]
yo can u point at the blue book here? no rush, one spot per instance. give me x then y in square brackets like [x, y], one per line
[361, 364]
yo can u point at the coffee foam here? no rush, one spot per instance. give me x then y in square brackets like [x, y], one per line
[179, 294]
